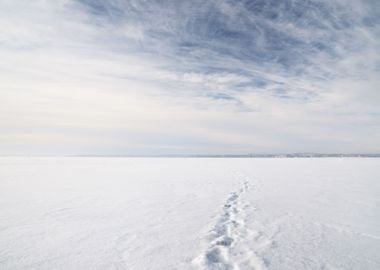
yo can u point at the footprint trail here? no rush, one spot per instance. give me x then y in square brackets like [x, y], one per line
[228, 243]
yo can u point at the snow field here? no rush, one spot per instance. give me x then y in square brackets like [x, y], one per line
[188, 213]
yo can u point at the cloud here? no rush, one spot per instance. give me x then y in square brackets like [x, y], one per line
[187, 77]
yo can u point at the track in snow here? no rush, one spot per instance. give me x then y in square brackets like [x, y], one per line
[229, 243]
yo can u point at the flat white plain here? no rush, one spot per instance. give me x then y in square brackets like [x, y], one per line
[189, 213]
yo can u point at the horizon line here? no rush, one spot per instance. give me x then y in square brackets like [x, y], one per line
[278, 155]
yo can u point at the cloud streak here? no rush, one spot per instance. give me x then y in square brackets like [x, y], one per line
[189, 77]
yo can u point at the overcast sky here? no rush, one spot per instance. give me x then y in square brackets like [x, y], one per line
[145, 77]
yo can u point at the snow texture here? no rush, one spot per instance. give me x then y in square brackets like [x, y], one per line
[189, 213]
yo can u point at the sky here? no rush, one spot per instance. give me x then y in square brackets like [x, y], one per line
[185, 77]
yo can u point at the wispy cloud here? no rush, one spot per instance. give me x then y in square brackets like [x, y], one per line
[164, 77]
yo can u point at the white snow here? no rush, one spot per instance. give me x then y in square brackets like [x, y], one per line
[189, 213]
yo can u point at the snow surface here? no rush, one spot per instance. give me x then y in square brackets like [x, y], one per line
[189, 213]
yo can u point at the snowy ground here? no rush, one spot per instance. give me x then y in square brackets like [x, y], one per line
[173, 213]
